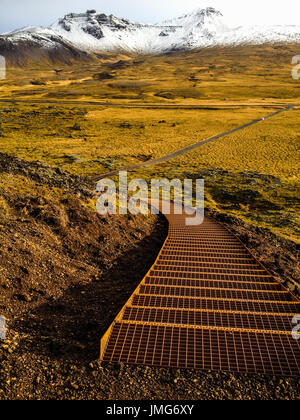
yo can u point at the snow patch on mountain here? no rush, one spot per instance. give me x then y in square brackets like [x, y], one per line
[96, 32]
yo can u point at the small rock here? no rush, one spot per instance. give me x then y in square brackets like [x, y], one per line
[76, 127]
[24, 297]
[291, 287]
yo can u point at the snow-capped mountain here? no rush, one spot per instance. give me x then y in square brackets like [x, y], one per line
[93, 32]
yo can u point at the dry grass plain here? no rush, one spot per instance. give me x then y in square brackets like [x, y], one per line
[246, 73]
[253, 174]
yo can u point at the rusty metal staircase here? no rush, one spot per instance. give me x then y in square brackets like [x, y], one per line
[206, 303]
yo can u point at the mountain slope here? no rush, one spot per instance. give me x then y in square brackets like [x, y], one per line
[93, 32]
[36, 44]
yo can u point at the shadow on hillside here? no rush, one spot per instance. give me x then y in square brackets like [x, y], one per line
[70, 328]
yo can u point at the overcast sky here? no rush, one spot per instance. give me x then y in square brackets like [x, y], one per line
[18, 13]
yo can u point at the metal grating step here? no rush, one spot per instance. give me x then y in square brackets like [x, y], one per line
[215, 293]
[206, 303]
[213, 274]
[208, 267]
[211, 284]
[289, 308]
[244, 321]
[175, 347]
[213, 260]
[203, 253]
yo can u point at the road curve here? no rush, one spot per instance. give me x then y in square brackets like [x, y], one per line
[207, 304]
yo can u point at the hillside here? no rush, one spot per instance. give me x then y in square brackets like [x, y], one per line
[64, 274]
